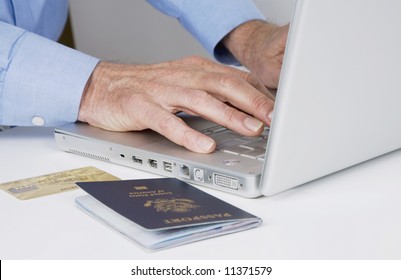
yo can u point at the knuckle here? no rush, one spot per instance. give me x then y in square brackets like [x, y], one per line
[230, 114]
[189, 138]
[198, 99]
[261, 102]
[248, 76]
[227, 82]
[168, 124]
[251, 79]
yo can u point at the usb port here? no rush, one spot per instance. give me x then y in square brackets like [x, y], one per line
[152, 163]
[137, 159]
[167, 166]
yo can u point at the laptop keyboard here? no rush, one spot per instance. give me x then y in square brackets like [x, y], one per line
[231, 142]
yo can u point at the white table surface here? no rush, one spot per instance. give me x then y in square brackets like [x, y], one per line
[353, 214]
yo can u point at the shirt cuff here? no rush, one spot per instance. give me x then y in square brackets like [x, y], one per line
[43, 82]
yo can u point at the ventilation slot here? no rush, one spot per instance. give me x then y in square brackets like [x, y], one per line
[88, 155]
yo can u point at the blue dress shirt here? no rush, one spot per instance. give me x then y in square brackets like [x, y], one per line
[41, 81]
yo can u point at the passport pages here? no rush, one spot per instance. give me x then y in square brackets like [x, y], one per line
[162, 213]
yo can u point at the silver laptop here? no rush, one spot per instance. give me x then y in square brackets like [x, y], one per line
[338, 104]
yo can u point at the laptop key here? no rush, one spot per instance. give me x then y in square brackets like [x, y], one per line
[256, 153]
[258, 144]
[236, 150]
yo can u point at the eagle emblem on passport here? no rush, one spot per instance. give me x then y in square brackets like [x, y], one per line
[176, 205]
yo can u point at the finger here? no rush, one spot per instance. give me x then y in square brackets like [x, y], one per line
[270, 76]
[203, 104]
[176, 130]
[240, 88]
[210, 66]
[226, 87]
[198, 102]
[238, 93]
[181, 72]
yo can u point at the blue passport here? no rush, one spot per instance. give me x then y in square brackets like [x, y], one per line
[162, 213]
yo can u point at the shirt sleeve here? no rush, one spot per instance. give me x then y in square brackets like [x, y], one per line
[41, 81]
[209, 21]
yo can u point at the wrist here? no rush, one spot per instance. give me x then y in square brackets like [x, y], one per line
[87, 99]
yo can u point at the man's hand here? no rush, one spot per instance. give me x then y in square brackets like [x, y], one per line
[259, 46]
[135, 97]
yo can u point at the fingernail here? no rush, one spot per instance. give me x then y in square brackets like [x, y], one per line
[205, 145]
[253, 124]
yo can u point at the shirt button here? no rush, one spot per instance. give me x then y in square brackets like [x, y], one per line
[38, 121]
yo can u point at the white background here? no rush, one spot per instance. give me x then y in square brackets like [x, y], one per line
[133, 31]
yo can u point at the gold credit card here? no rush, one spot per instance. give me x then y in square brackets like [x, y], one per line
[54, 182]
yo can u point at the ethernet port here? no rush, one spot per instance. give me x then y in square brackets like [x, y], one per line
[183, 171]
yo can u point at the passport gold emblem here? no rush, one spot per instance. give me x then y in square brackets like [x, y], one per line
[177, 205]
